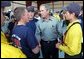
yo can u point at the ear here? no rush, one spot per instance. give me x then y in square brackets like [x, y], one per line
[48, 11]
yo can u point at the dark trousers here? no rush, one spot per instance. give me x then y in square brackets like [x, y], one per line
[48, 49]
[76, 56]
[32, 55]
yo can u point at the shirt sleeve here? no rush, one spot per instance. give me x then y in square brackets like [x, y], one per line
[31, 39]
[38, 32]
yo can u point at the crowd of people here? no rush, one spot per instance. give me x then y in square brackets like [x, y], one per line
[25, 32]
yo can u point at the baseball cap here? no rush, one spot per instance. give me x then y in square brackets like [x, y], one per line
[5, 3]
[73, 8]
[31, 9]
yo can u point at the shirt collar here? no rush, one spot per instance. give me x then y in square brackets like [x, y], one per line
[48, 19]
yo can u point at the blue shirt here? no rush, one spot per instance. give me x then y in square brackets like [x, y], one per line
[32, 25]
[24, 38]
[61, 28]
[46, 29]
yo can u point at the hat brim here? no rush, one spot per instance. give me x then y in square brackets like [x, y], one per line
[5, 3]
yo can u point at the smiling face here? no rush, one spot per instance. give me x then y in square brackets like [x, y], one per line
[43, 11]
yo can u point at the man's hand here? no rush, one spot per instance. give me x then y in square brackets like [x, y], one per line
[57, 45]
[39, 45]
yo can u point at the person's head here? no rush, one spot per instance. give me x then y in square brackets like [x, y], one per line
[72, 11]
[44, 10]
[31, 11]
[62, 15]
[21, 14]
[3, 5]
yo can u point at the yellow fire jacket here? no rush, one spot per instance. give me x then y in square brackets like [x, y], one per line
[72, 40]
[8, 51]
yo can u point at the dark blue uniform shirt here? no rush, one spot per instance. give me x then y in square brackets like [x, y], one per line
[24, 38]
[31, 24]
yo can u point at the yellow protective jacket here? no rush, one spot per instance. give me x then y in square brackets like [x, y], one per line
[8, 51]
[72, 40]
[3, 38]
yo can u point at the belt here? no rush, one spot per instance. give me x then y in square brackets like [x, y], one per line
[49, 41]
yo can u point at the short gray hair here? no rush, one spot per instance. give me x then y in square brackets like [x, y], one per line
[18, 11]
[46, 6]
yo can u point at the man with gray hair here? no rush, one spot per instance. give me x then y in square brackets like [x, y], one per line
[46, 32]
